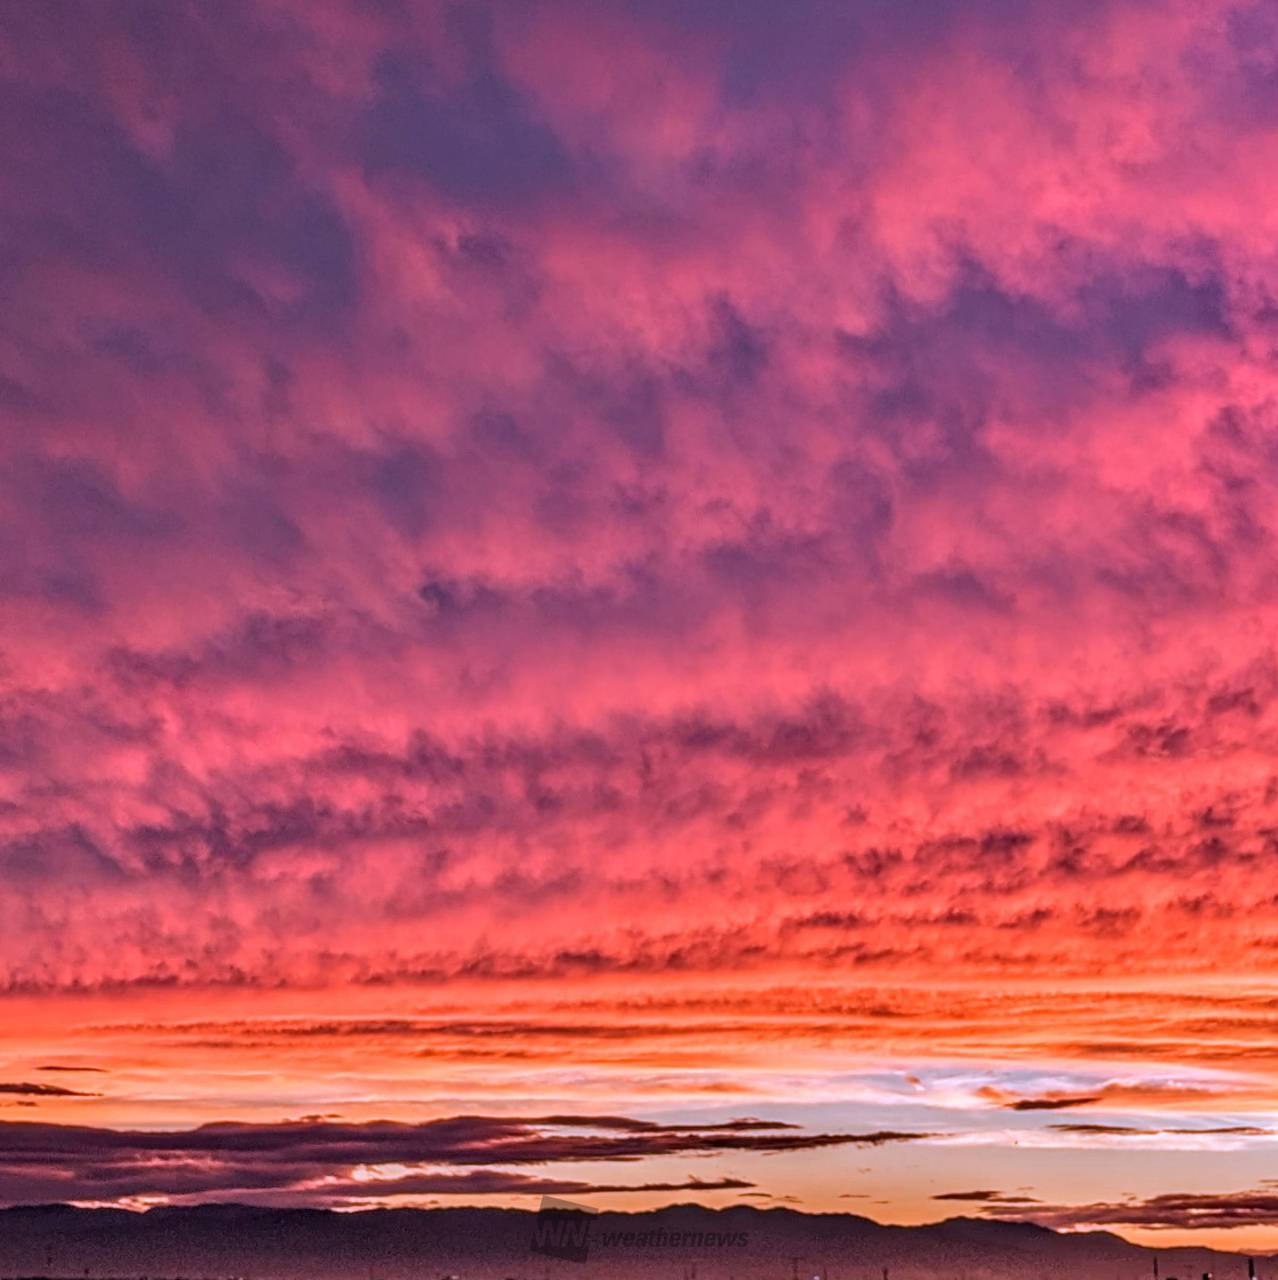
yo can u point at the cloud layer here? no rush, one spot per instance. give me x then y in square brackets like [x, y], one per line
[460, 490]
[341, 1165]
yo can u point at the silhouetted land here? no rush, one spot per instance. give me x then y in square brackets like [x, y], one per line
[491, 1244]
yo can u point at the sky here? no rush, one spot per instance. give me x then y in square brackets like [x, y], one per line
[642, 600]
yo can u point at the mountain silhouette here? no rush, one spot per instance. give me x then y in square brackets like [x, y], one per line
[745, 1243]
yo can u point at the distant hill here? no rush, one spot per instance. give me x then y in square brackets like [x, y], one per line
[492, 1244]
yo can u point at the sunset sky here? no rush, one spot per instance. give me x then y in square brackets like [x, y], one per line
[650, 600]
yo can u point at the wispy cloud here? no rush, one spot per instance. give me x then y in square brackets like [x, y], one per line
[28, 1090]
[329, 1162]
[1185, 1211]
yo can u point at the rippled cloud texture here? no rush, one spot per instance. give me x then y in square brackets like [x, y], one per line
[646, 555]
